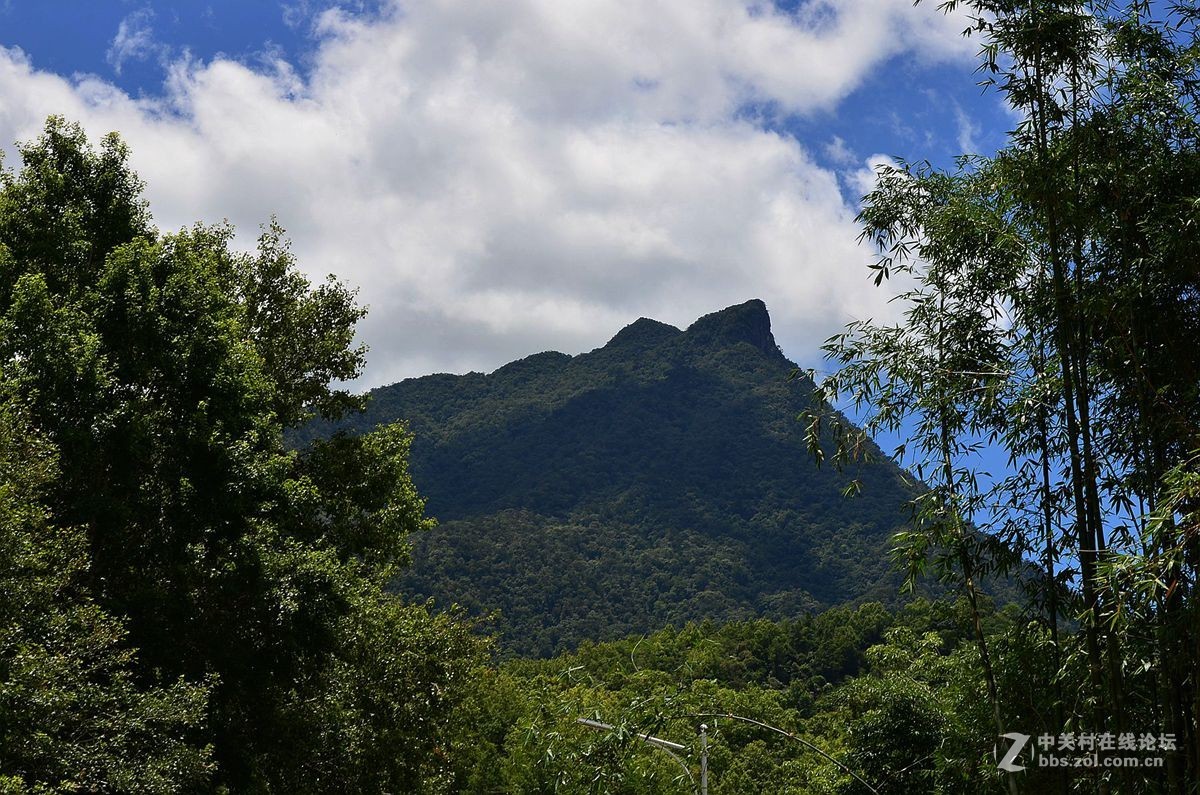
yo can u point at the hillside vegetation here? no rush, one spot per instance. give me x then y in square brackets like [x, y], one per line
[659, 479]
[850, 698]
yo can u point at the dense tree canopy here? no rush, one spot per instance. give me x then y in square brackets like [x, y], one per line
[72, 713]
[220, 594]
[851, 698]
[655, 480]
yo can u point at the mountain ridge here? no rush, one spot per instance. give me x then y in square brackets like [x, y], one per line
[659, 478]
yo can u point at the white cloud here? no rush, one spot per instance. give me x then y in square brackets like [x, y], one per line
[295, 14]
[134, 40]
[862, 180]
[968, 131]
[837, 152]
[504, 178]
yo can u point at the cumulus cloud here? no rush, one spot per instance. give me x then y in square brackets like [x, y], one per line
[505, 178]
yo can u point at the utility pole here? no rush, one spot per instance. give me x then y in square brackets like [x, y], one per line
[672, 749]
[703, 759]
[777, 730]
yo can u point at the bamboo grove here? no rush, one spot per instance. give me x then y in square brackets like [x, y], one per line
[1045, 372]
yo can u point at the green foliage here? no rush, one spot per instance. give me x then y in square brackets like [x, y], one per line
[1051, 303]
[656, 480]
[162, 370]
[72, 715]
[889, 697]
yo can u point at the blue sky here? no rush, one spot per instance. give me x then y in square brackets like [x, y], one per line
[505, 178]
[70, 37]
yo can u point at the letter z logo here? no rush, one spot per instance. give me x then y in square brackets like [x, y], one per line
[1018, 743]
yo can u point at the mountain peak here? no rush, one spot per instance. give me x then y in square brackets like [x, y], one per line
[643, 333]
[546, 361]
[747, 322]
[666, 460]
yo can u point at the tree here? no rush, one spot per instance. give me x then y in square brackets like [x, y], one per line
[1055, 297]
[164, 369]
[72, 715]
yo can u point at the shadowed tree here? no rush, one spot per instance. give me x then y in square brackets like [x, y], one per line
[164, 369]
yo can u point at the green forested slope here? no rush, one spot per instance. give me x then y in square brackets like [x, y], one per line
[888, 695]
[660, 478]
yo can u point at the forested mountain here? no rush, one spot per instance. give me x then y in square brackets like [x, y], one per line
[660, 478]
